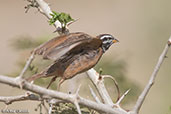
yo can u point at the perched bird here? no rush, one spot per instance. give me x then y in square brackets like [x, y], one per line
[72, 54]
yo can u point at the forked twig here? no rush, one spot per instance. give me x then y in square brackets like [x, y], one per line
[144, 93]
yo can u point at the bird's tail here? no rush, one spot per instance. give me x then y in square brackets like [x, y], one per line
[34, 77]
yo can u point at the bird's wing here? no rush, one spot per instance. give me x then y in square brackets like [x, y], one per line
[91, 44]
[57, 47]
[81, 58]
[81, 48]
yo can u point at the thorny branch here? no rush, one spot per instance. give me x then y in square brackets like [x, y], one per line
[107, 107]
[11, 99]
[59, 95]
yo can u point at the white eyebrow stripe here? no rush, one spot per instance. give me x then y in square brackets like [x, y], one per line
[106, 36]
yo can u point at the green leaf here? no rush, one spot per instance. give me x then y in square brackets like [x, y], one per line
[63, 18]
[55, 13]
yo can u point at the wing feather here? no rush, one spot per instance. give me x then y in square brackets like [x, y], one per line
[58, 46]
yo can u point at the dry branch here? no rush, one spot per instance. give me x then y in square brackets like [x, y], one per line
[29, 61]
[10, 99]
[59, 95]
[144, 93]
[98, 82]
[44, 7]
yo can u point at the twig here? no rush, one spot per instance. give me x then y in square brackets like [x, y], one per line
[78, 107]
[59, 95]
[94, 76]
[47, 11]
[152, 79]
[29, 61]
[76, 100]
[122, 97]
[94, 95]
[11, 99]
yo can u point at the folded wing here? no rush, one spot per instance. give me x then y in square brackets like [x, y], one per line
[57, 47]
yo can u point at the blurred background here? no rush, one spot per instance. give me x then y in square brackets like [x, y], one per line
[142, 27]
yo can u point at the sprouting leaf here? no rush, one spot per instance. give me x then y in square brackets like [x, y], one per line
[63, 18]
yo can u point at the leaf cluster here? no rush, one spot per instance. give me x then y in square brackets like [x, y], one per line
[63, 18]
[68, 108]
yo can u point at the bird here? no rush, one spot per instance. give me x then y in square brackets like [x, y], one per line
[71, 54]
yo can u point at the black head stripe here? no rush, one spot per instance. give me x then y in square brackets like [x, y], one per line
[107, 41]
[104, 37]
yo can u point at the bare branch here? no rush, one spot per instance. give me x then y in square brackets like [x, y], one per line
[11, 99]
[47, 11]
[98, 82]
[59, 95]
[152, 79]
[29, 61]
[44, 8]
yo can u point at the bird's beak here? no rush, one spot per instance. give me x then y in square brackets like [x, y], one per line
[115, 41]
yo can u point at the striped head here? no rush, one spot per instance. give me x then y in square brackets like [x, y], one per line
[107, 41]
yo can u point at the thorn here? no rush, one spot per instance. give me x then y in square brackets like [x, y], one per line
[94, 95]
[77, 91]
[78, 107]
[122, 97]
[76, 100]
[6, 106]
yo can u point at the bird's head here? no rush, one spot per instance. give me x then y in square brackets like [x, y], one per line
[107, 41]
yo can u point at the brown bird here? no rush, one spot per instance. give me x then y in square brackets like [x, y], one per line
[72, 54]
